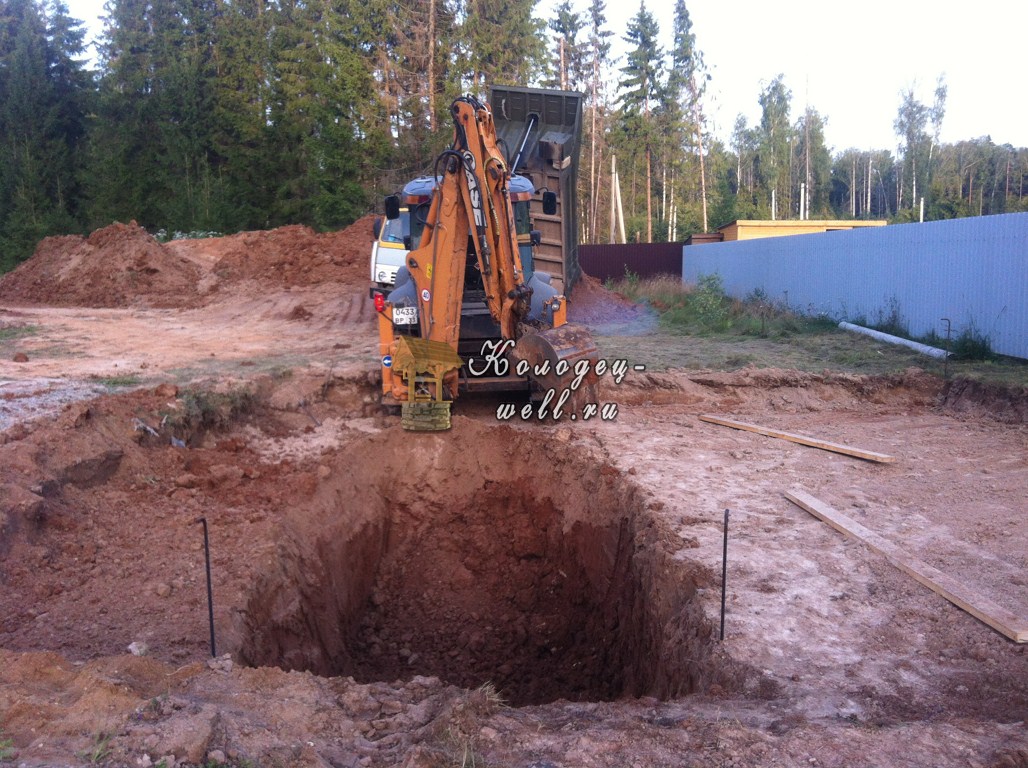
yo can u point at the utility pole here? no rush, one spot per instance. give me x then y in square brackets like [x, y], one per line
[853, 189]
[563, 68]
[613, 196]
[621, 210]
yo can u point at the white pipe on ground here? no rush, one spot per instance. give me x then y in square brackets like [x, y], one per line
[924, 349]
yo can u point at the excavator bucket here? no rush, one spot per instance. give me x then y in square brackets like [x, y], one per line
[557, 357]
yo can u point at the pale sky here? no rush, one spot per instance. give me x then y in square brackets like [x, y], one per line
[848, 60]
[851, 60]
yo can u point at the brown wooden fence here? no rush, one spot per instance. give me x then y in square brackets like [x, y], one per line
[642, 259]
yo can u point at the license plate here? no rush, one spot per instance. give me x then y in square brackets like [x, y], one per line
[405, 315]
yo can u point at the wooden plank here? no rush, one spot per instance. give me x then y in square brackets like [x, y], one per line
[824, 445]
[962, 596]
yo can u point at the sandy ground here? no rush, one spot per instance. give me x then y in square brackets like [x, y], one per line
[529, 594]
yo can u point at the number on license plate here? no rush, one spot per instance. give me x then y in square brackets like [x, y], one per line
[405, 315]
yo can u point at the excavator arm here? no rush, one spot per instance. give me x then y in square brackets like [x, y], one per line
[470, 216]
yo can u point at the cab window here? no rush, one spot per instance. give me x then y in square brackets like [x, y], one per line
[417, 222]
[522, 220]
[395, 230]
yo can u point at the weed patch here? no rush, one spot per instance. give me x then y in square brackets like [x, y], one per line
[705, 310]
[117, 382]
[13, 332]
[890, 320]
[972, 345]
[7, 750]
[99, 751]
[202, 410]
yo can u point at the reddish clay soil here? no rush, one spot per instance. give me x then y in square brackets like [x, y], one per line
[122, 266]
[117, 266]
[526, 594]
[593, 305]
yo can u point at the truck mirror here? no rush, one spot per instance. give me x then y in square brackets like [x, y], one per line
[392, 207]
[535, 237]
[376, 228]
[549, 203]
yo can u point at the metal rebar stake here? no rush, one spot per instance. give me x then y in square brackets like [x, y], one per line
[724, 577]
[210, 592]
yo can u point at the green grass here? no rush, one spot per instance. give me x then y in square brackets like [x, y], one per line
[100, 749]
[7, 750]
[14, 332]
[701, 328]
[705, 310]
[117, 382]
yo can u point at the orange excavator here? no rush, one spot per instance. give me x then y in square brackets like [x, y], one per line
[463, 316]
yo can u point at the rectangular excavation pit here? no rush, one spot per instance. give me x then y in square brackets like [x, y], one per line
[528, 566]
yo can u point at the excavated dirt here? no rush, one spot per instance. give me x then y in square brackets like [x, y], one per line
[607, 311]
[122, 265]
[511, 595]
[117, 266]
[287, 256]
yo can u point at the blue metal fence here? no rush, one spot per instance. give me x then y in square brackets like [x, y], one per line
[973, 271]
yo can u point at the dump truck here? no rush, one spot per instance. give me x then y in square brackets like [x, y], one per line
[542, 130]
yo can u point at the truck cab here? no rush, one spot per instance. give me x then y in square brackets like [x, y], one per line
[394, 238]
[389, 251]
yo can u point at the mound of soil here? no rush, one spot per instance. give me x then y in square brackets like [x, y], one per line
[115, 266]
[592, 304]
[123, 265]
[288, 256]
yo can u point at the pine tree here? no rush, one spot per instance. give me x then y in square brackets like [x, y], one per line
[568, 65]
[417, 81]
[321, 83]
[683, 110]
[241, 146]
[641, 89]
[140, 153]
[746, 143]
[501, 43]
[43, 105]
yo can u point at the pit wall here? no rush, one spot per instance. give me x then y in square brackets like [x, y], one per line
[973, 271]
[515, 559]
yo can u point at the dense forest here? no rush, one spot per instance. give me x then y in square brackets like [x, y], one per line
[209, 115]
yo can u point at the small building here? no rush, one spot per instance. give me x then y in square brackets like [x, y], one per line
[751, 229]
[701, 238]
